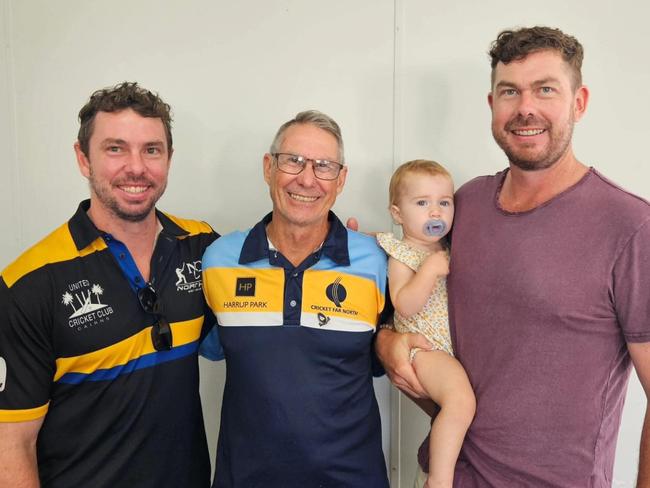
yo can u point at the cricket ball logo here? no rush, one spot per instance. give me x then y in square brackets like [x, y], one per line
[336, 292]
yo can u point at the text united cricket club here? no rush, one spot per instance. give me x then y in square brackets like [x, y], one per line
[92, 318]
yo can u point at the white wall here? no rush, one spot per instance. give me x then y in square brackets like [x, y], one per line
[404, 78]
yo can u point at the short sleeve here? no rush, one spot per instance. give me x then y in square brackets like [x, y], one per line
[26, 352]
[401, 251]
[211, 346]
[631, 287]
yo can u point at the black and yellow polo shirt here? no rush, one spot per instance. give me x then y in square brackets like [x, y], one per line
[77, 350]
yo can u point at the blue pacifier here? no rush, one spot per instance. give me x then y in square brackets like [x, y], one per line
[435, 228]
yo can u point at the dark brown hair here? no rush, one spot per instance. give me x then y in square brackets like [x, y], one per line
[513, 45]
[118, 98]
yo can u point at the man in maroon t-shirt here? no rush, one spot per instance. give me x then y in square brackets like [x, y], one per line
[549, 291]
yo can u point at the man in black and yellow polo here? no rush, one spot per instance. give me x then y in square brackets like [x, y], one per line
[100, 322]
[297, 298]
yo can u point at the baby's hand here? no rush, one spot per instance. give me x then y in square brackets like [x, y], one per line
[437, 263]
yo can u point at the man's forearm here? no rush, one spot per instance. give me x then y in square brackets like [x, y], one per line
[643, 479]
[18, 474]
[18, 466]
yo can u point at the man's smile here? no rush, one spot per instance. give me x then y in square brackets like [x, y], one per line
[133, 189]
[302, 198]
[528, 132]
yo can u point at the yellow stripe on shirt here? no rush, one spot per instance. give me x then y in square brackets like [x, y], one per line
[127, 350]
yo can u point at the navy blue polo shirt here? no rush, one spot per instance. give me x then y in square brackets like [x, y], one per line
[299, 409]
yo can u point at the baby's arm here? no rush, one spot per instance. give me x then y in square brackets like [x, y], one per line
[409, 291]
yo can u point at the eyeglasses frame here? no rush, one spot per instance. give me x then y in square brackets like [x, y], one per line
[306, 160]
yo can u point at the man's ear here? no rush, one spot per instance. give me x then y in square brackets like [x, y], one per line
[580, 102]
[268, 164]
[82, 160]
[169, 159]
[340, 182]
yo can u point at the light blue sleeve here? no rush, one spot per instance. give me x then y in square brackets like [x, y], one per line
[211, 348]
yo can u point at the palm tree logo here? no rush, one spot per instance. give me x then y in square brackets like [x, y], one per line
[68, 300]
[97, 290]
[84, 299]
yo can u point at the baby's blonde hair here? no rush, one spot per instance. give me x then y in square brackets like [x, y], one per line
[422, 166]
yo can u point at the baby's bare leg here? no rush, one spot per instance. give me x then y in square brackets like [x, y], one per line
[445, 380]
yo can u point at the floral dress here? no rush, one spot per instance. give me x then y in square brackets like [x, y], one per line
[433, 320]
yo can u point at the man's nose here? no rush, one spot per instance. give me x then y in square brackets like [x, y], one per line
[135, 163]
[526, 106]
[307, 177]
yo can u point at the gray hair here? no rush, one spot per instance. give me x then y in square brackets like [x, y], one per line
[313, 117]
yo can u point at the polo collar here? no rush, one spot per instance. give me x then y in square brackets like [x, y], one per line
[84, 232]
[335, 246]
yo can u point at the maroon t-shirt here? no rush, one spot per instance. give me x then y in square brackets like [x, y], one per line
[541, 306]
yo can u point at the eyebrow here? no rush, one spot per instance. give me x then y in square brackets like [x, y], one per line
[418, 197]
[108, 141]
[543, 81]
[546, 81]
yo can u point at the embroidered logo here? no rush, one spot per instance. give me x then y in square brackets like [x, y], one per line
[189, 277]
[322, 319]
[3, 374]
[86, 303]
[245, 287]
[336, 292]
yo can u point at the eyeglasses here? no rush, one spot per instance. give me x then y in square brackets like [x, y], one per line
[294, 164]
[161, 332]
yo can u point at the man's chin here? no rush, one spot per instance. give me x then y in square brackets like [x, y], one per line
[132, 217]
[530, 161]
[534, 159]
[134, 214]
[528, 165]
